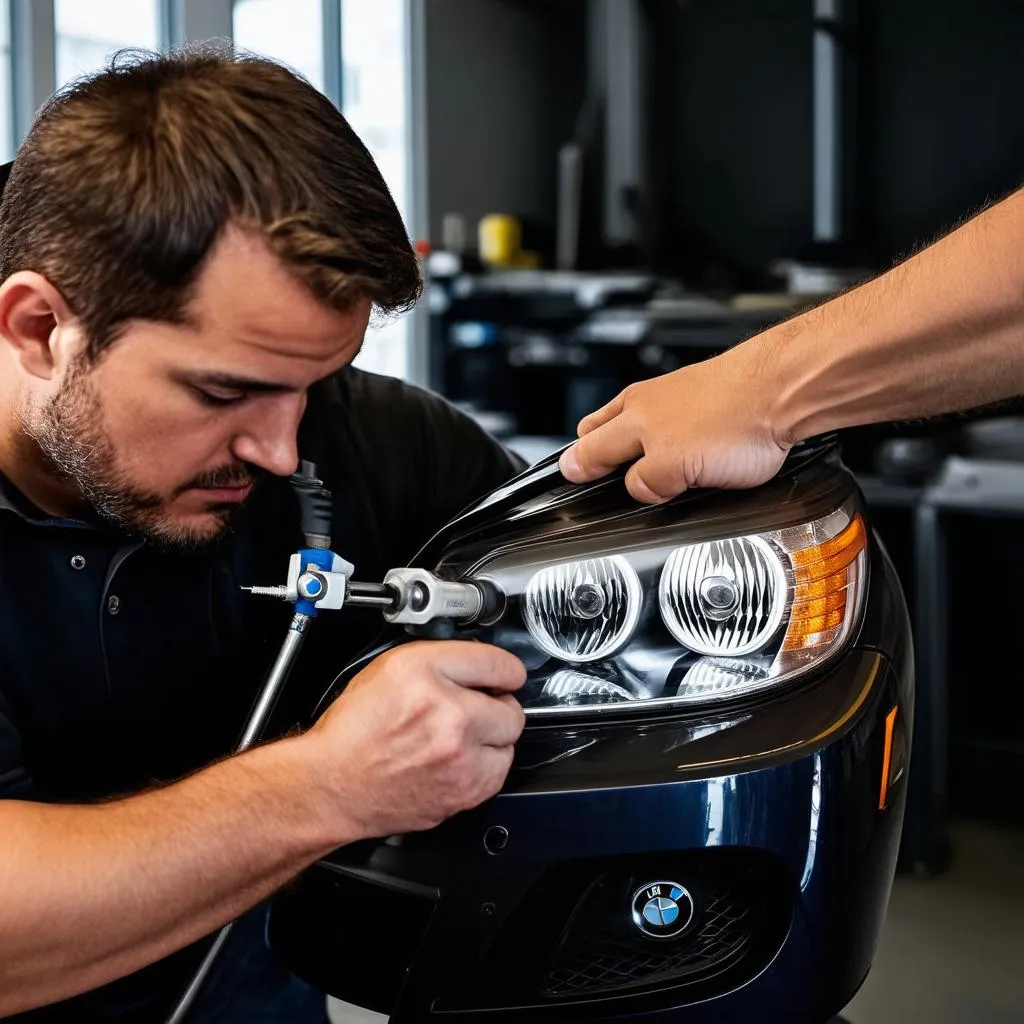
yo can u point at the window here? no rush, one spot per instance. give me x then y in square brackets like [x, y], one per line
[372, 55]
[373, 98]
[374, 85]
[290, 31]
[6, 86]
[89, 31]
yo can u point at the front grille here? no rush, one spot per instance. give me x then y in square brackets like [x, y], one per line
[600, 956]
[573, 941]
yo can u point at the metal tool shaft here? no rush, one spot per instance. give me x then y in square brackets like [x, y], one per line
[199, 978]
[275, 680]
[371, 595]
[254, 727]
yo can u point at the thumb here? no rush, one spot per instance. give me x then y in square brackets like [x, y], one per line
[646, 483]
[598, 452]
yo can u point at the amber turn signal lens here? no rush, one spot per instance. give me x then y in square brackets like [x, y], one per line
[887, 759]
[824, 575]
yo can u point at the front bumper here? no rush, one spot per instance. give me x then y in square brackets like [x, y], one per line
[520, 909]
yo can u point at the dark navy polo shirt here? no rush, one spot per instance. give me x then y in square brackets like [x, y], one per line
[123, 666]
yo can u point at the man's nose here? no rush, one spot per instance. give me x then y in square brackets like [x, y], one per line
[269, 438]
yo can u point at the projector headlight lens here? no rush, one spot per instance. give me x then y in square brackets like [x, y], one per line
[725, 597]
[583, 611]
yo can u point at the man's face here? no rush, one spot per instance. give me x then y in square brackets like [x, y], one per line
[167, 433]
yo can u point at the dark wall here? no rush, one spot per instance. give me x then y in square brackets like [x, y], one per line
[944, 97]
[938, 98]
[939, 126]
[505, 81]
[731, 129]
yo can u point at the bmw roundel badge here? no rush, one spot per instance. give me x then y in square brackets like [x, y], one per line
[662, 910]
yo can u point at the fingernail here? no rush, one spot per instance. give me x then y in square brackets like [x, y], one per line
[570, 465]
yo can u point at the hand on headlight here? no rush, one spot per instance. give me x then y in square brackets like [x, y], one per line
[706, 425]
[425, 731]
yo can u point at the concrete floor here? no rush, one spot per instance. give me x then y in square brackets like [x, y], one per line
[953, 947]
[952, 951]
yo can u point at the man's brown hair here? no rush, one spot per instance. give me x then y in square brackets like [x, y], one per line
[128, 177]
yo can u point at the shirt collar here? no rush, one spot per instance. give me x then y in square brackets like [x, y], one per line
[12, 500]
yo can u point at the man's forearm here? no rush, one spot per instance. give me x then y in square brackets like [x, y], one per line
[90, 893]
[942, 332]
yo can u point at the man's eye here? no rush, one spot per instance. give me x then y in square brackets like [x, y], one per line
[211, 398]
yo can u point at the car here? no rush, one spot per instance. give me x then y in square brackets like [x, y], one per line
[703, 816]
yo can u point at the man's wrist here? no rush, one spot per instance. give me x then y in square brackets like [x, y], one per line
[301, 781]
[762, 375]
[789, 372]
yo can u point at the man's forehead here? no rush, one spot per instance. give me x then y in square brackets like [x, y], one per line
[245, 288]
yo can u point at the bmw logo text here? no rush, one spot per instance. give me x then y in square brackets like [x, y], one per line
[662, 910]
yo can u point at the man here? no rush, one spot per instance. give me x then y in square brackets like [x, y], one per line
[190, 250]
[942, 332]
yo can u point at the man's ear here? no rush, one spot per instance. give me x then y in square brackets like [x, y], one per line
[32, 311]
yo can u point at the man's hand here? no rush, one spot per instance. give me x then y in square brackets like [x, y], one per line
[706, 425]
[425, 731]
[91, 893]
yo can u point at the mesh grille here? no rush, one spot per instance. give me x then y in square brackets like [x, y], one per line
[598, 957]
[574, 942]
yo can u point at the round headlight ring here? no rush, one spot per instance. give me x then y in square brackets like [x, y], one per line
[724, 598]
[583, 611]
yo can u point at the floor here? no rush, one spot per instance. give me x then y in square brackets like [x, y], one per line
[953, 947]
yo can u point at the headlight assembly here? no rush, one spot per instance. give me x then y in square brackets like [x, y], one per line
[671, 619]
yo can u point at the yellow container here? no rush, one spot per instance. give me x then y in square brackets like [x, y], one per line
[500, 238]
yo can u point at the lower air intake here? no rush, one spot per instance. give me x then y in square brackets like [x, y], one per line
[600, 955]
[574, 942]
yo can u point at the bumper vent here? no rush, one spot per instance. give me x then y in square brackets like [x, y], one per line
[574, 942]
[600, 956]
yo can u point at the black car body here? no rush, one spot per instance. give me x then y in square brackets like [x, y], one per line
[684, 835]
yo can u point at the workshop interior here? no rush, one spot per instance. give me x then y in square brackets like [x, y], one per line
[718, 812]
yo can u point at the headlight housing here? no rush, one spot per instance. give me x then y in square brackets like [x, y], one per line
[677, 615]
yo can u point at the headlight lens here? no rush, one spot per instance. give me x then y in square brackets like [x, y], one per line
[583, 611]
[672, 620]
[724, 597]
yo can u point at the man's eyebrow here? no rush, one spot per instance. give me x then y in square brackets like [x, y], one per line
[229, 382]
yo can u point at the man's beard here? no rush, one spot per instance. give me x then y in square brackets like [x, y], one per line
[69, 435]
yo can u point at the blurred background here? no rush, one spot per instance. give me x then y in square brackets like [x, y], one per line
[605, 190]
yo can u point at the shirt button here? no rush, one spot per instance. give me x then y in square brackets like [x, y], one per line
[77, 561]
[113, 604]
